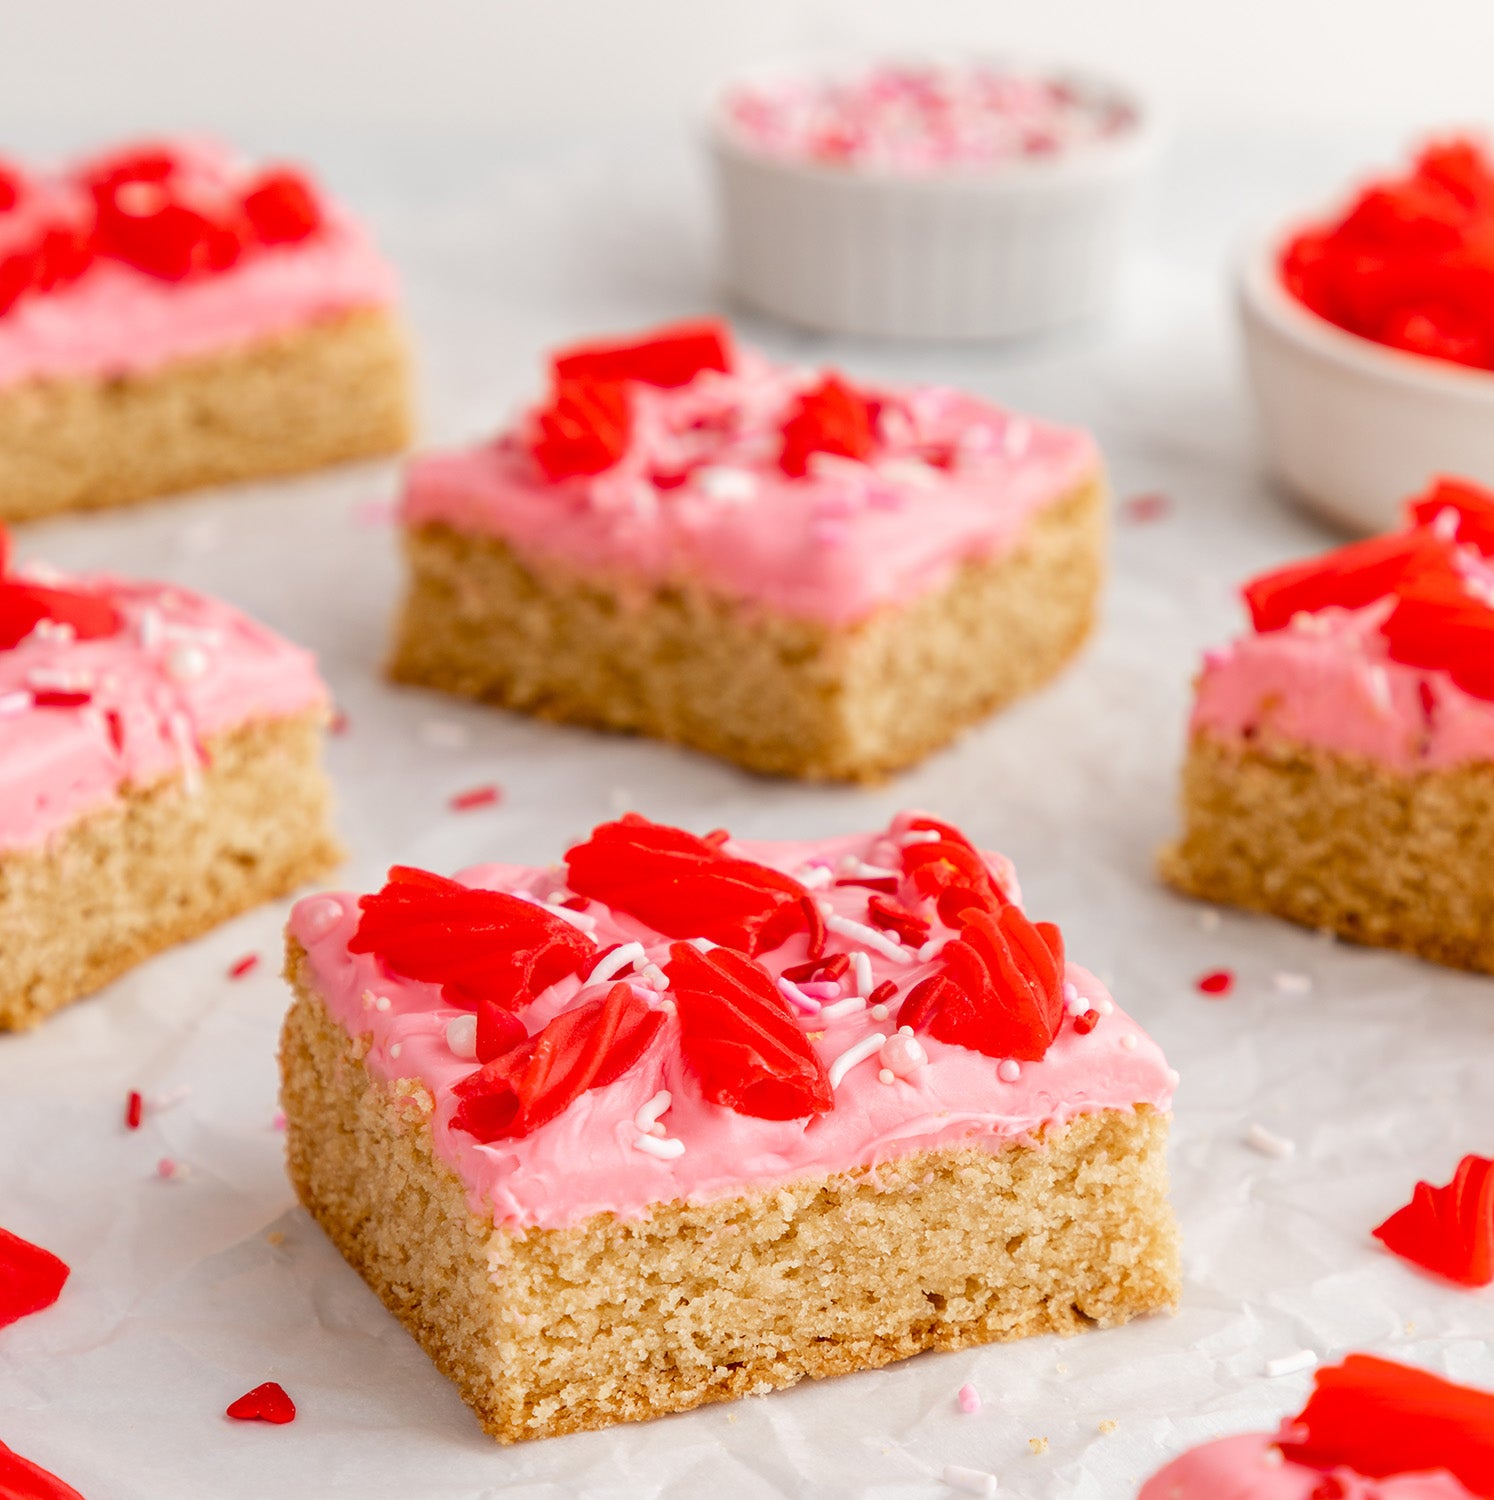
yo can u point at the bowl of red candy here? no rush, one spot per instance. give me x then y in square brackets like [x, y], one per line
[1369, 339]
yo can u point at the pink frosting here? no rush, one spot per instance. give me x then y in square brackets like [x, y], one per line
[116, 320]
[1251, 1467]
[1327, 680]
[183, 668]
[586, 1161]
[833, 546]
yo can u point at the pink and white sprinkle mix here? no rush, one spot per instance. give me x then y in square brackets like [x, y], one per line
[969, 1399]
[920, 118]
[478, 796]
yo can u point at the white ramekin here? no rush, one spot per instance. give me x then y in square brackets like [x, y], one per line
[964, 254]
[1350, 426]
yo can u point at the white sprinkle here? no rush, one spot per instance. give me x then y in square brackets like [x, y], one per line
[1105, 1005]
[816, 877]
[575, 918]
[1208, 919]
[878, 1013]
[186, 748]
[852, 868]
[1378, 682]
[867, 1047]
[1009, 1070]
[628, 955]
[1128, 1041]
[886, 1075]
[702, 945]
[722, 483]
[933, 948]
[838, 1008]
[1273, 1457]
[1017, 438]
[1291, 1364]
[445, 735]
[912, 472]
[187, 663]
[969, 1481]
[654, 977]
[148, 626]
[14, 703]
[797, 998]
[666, 1149]
[1268, 1143]
[382, 1002]
[1292, 984]
[861, 968]
[920, 836]
[395, 1048]
[461, 1037]
[648, 1114]
[878, 942]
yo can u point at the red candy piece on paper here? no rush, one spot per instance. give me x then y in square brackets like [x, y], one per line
[265, 1403]
[584, 429]
[281, 207]
[20, 1479]
[23, 606]
[1379, 1418]
[477, 945]
[534, 1081]
[740, 1038]
[668, 357]
[1448, 1230]
[684, 886]
[998, 989]
[31, 1278]
[1470, 505]
[830, 418]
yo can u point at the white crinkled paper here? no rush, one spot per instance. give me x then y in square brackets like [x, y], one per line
[187, 1292]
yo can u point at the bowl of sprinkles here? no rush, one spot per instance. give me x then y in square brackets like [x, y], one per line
[954, 199]
[1369, 338]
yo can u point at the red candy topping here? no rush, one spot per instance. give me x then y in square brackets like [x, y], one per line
[583, 430]
[477, 945]
[281, 208]
[1217, 982]
[684, 886]
[1449, 1230]
[1379, 1418]
[30, 1278]
[1470, 507]
[668, 357]
[1411, 264]
[740, 1038]
[24, 605]
[20, 1479]
[538, 1077]
[265, 1403]
[831, 418]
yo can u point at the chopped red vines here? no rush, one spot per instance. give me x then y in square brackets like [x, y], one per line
[24, 605]
[583, 430]
[1470, 505]
[1449, 1230]
[1379, 1418]
[281, 207]
[265, 1403]
[31, 1278]
[668, 357]
[20, 1479]
[831, 418]
[477, 945]
[684, 887]
[740, 1039]
[537, 1078]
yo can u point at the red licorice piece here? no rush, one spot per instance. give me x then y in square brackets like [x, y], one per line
[893, 917]
[1438, 624]
[60, 698]
[1348, 578]
[740, 1038]
[498, 1031]
[682, 886]
[134, 1109]
[669, 357]
[20, 1479]
[998, 989]
[1449, 1230]
[477, 945]
[1411, 263]
[265, 1403]
[141, 224]
[1217, 982]
[30, 1278]
[534, 1081]
[831, 418]
[1471, 505]
[818, 968]
[281, 207]
[23, 606]
[584, 429]
[1379, 1418]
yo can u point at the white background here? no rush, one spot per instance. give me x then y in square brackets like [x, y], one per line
[529, 169]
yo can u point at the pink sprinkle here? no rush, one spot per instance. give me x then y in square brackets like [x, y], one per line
[338, 723]
[1146, 507]
[1220, 982]
[246, 965]
[478, 796]
[969, 1398]
[278, 1123]
[134, 1108]
[168, 1169]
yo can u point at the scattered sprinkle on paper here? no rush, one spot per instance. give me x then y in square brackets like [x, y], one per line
[246, 965]
[169, 1169]
[265, 1403]
[1292, 984]
[1218, 982]
[1209, 919]
[134, 1108]
[445, 735]
[969, 1398]
[1149, 507]
[969, 1481]
[1291, 1364]
[338, 723]
[473, 797]
[1268, 1143]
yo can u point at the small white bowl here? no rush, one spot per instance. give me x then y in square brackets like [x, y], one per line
[967, 253]
[1352, 427]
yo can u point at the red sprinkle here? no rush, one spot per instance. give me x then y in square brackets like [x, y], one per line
[1218, 982]
[478, 796]
[246, 965]
[265, 1403]
[134, 1108]
[883, 994]
[1086, 1023]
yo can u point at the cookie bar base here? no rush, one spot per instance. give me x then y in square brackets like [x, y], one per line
[780, 695]
[164, 865]
[559, 1330]
[1342, 844]
[336, 389]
